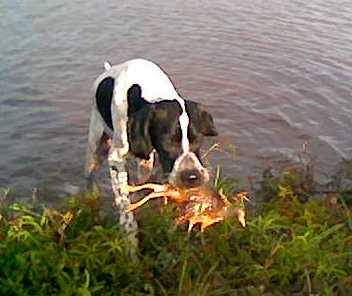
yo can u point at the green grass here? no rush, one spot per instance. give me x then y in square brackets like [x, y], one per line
[289, 247]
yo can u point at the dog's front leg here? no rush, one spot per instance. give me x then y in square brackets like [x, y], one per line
[117, 163]
[122, 201]
[119, 181]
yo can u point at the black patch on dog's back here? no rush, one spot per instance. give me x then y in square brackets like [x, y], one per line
[103, 96]
[134, 99]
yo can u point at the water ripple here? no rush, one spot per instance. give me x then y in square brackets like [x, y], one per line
[273, 73]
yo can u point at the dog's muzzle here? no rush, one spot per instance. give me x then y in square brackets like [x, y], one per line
[188, 172]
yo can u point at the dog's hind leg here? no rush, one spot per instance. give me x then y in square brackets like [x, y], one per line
[97, 142]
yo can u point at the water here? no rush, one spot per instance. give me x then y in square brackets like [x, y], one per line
[274, 74]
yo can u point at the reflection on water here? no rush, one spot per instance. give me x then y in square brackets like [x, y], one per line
[274, 74]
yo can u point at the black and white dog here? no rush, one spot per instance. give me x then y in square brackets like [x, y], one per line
[137, 113]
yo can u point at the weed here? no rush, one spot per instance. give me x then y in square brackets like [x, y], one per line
[288, 247]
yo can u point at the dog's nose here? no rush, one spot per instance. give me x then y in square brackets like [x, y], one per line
[190, 178]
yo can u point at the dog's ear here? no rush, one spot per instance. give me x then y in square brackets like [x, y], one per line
[138, 132]
[207, 127]
[203, 118]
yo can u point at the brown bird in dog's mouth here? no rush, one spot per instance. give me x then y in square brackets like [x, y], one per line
[199, 205]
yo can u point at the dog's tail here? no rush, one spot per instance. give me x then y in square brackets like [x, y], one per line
[107, 65]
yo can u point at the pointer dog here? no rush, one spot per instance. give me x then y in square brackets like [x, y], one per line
[137, 113]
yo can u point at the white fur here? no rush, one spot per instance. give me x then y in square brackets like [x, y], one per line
[107, 65]
[184, 122]
[154, 83]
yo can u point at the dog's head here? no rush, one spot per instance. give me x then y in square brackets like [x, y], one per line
[175, 130]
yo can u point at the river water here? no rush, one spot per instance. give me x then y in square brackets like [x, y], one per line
[274, 73]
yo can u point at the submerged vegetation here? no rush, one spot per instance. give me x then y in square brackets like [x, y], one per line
[294, 244]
